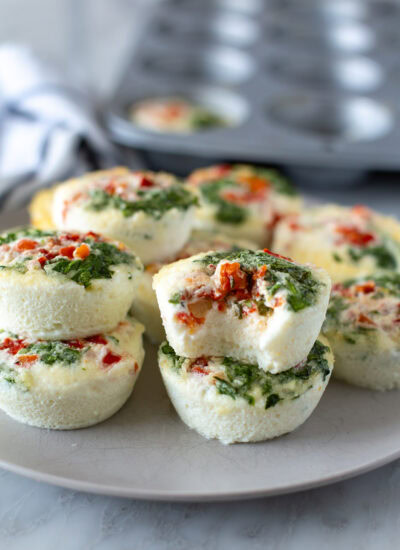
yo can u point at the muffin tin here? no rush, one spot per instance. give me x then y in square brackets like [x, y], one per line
[310, 83]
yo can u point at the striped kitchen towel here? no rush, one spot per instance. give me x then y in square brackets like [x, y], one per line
[48, 129]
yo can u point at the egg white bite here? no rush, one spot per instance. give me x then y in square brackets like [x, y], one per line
[363, 327]
[71, 383]
[242, 201]
[145, 307]
[251, 305]
[224, 399]
[152, 213]
[173, 115]
[59, 285]
[347, 242]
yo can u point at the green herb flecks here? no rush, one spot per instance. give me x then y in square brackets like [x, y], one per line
[175, 298]
[175, 359]
[19, 233]
[155, 203]
[227, 212]
[263, 309]
[203, 118]
[95, 266]
[383, 257]
[51, 352]
[20, 267]
[336, 305]
[385, 281]
[301, 287]
[336, 257]
[273, 399]
[7, 374]
[240, 380]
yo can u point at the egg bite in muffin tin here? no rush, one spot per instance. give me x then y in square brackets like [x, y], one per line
[222, 398]
[242, 201]
[254, 306]
[363, 327]
[61, 285]
[145, 307]
[173, 114]
[67, 384]
[347, 242]
[150, 212]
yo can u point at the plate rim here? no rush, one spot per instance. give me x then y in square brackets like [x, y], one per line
[187, 496]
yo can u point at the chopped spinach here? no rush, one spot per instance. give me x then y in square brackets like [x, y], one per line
[12, 236]
[20, 267]
[7, 374]
[302, 289]
[175, 359]
[263, 309]
[241, 377]
[336, 305]
[240, 380]
[383, 257]
[51, 352]
[203, 118]
[95, 266]
[336, 257]
[175, 298]
[155, 203]
[388, 281]
[272, 400]
[227, 212]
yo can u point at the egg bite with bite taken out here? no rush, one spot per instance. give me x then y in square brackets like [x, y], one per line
[145, 307]
[254, 306]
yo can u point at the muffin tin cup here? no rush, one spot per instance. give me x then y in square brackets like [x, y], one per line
[292, 93]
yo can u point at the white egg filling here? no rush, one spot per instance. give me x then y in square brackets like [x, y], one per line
[173, 114]
[224, 399]
[363, 326]
[254, 306]
[145, 307]
[347, 242]
[64, 285]
[152, 213]
[71, 383]
[242, 201]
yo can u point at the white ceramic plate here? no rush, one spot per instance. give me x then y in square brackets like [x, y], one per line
[145, 451]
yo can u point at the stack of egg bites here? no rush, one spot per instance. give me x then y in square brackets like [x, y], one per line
[243, 358]
[69, 354]
[72, 350]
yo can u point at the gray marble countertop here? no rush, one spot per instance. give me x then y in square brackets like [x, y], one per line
[361, 513]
